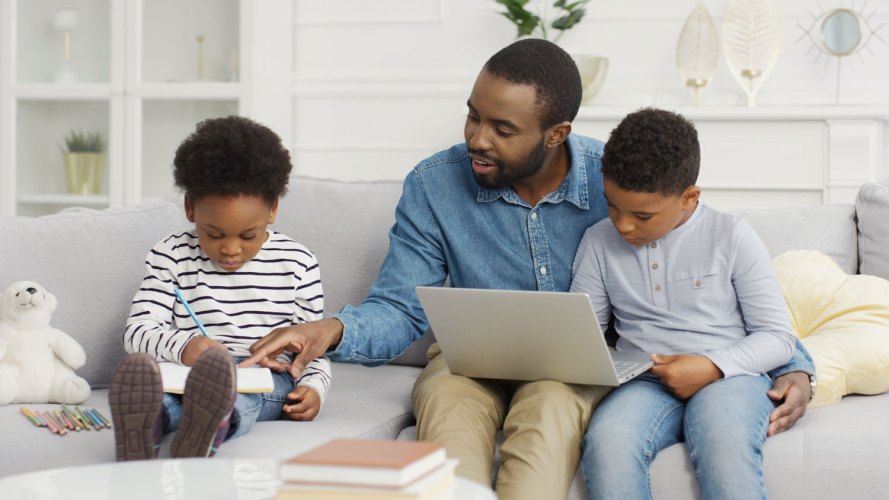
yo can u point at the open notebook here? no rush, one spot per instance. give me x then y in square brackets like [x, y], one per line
[255, 379]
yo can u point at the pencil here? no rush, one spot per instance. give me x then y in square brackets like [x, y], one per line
[37, 416]
[73, 417]
[190, 312]
[63, 420]
[51, 423]
[83, 419]
[96, 424]
[102, 417]
[30, 417]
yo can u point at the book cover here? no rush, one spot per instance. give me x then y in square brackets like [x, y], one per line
[256, 379]
[367, 462]
[435, 485]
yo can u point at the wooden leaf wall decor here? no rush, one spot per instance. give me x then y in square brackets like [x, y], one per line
[751, 40]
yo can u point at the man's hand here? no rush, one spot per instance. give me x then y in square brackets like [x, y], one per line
[306, 404]
[310, 340]
[793, 390]
[196, 346]
[684, 374]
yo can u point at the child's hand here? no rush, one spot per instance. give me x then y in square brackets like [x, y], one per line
[685, 374]
[196, 346]
[306, 404]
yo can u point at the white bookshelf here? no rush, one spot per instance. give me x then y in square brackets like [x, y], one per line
[142, 79]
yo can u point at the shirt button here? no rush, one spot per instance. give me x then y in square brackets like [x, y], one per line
[698, 283]
[657, 288]
[654, 245]
[543, 270]
[533, 215]
[654, 266]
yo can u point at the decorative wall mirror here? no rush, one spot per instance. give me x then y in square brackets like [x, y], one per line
[839, 33]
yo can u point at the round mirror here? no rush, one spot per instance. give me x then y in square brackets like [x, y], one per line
[841, 32]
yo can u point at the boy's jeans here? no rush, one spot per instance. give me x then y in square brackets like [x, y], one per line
[723, 425]
[249, 407]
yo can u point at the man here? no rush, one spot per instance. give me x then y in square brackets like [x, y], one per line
[507, 210]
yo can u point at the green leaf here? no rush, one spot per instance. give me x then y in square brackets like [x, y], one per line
[567, 22]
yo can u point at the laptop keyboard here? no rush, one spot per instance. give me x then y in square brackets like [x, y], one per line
[624, 367]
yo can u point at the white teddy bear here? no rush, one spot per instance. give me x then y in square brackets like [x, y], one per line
[37, 360]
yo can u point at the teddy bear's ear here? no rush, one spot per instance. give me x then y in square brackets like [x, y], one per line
[51, 302]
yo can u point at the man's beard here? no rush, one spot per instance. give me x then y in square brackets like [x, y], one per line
[508, 174]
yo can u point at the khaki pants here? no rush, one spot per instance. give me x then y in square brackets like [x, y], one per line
[543, 423]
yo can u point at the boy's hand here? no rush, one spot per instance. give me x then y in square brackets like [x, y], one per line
[793, 390]
[310, 340]
[196, 346]
[306, 404]
[685, 374]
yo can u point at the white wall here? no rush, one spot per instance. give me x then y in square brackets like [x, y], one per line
[379, 85]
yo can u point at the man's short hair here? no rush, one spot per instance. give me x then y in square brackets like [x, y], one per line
[232, 156]
[546, 67]
[653, 151]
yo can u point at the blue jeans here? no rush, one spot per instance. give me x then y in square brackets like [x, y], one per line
[723, 425]
[249, 407]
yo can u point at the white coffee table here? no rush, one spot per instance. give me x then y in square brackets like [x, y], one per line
[187, 479]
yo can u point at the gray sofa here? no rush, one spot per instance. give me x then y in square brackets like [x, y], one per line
[92, 261]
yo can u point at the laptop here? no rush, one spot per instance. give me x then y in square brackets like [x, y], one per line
[525, 335]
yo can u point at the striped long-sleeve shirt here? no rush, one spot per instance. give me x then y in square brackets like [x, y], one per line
[279, 287]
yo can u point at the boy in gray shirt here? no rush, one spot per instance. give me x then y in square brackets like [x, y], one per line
[695, 286]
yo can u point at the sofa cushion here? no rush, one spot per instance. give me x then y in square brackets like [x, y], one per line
[349, 241]
[363, 402]
[830, 229]
[843, 320]
[372, 403]
[345, 224]
[93, 262]
[872, 207]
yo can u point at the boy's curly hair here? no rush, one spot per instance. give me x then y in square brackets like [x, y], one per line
[232, 156]
[653, 151]
[546, 67]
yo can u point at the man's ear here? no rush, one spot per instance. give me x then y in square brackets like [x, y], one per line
[557, 134]
[189, 209]
[690, 197]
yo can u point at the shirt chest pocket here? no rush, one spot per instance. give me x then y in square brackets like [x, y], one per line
[691, 285]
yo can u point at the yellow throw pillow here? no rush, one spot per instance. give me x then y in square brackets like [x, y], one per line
[843, 320]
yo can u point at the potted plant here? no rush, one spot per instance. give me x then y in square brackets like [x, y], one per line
[550, 20]
[84, 155]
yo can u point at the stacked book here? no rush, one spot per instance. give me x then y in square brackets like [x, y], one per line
[369, 469]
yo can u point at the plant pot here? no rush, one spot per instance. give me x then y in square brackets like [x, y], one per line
[84, 172]
[592, 73]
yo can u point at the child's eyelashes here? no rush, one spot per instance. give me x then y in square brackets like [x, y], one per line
[246, 237]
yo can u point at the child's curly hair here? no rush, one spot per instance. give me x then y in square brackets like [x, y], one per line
[232, 156]
[653, 151]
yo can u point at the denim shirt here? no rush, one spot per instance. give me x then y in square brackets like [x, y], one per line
[448, 227]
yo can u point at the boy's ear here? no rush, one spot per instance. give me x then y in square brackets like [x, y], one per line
[273, 212]
[189, 209]
[557, 134]
[690, 197]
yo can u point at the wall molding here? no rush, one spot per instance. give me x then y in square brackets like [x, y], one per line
[388, 18]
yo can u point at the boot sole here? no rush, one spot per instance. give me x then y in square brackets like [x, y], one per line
[136, 400]
[207, 401]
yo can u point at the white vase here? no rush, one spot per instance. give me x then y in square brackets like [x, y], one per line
[592, 73]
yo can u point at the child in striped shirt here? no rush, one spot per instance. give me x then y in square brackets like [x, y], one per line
[242, 281]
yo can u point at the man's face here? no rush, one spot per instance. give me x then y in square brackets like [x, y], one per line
[231, 229]
[502, 132]
[642, 218]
